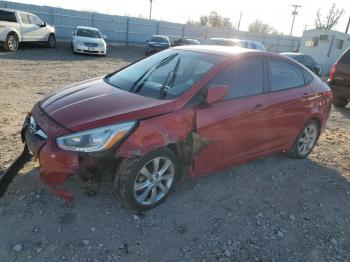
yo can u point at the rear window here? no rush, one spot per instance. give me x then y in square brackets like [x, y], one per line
[345, 59]
[7, 16]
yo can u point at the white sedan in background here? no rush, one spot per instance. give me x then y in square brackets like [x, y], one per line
[88, 40]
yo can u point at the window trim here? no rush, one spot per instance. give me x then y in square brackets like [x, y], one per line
[265, 72]
[285, 61]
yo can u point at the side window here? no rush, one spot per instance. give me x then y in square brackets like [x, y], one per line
[244, 78]
[7, 16]
[309, 60]
[285, 75]
[24, 19]
[34, 20]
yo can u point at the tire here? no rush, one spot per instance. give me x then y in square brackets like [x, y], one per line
[340, 101]
[51, 41]
[139, 187]
[11, 43]
[305, 141]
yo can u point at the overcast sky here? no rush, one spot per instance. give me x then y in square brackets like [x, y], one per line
[277, 13]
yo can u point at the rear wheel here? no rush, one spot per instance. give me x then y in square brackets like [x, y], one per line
[11, 43]
[146, 182]
[340, 101]
[51, 41]
[305, 141]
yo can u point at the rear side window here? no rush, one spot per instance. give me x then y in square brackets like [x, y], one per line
[7, 16]
[244, 78]
[345, 59]
[285, 75]
[24, 19]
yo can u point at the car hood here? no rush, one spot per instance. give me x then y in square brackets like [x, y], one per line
[95, 103]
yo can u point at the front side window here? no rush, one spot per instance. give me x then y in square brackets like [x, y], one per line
[244, 78]
[88, 33]
[24, 19]
[7, 16]
[285, 75]
[165, 75]
[35, 20]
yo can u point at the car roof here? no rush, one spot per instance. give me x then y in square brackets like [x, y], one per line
[162, 36]
[86, 27]
[218, 50]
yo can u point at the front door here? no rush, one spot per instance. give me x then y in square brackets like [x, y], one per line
[236, 126]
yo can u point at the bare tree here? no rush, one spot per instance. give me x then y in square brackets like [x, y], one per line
[259, 26]
[333, 16]
[215, 20]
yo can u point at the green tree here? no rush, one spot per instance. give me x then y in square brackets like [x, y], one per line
[259, 26]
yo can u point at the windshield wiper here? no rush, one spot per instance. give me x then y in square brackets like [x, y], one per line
[149, 72]
[169, 84]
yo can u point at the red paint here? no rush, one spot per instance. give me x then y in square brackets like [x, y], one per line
[240, 129]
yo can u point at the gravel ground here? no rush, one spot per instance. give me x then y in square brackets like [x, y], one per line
[273, 209]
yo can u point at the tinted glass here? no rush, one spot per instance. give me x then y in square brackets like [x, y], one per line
[24, 19]
[34, 20]
[7, 16]
[244, 78]
[88, 33]
[285, 75]
[345, 59]
[308, 60]
[164, 75]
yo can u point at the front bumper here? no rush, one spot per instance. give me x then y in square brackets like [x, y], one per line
[56, 165]
[90, 50]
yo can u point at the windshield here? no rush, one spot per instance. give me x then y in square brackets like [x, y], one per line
[158, 39]
[164, 75]
[88, 33]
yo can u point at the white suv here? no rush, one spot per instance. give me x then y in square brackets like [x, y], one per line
[18, 26]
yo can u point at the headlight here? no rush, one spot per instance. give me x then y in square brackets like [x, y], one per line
[93, 140]
[79, 42]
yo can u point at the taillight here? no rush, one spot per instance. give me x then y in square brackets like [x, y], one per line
[332, 73]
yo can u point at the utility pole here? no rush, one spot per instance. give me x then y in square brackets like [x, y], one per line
[150, 9]
[294, 13]
[305, 27]
[347, 26]
[239, 21]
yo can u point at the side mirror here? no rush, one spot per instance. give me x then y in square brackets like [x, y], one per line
[104, 36]
[73, 33]
[147, 41]
[216, 93]
[43, 25]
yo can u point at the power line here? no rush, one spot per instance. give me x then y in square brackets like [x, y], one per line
[294, 13]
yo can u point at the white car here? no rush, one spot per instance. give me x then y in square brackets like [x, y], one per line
[18, 26]
[88, 40]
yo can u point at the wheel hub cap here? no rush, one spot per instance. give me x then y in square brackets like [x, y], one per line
[307, 139]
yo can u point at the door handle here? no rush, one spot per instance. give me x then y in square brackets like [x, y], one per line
[305, 95]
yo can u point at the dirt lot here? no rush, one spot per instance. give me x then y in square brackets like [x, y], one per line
[274, 209]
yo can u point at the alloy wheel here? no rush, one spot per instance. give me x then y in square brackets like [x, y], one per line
[12, 43]
[154, 181]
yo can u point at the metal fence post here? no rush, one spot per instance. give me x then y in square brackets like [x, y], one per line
[183, 30]
[157, 28]
[51, 16]
[92, 19]
[127, 31]
[278, 43]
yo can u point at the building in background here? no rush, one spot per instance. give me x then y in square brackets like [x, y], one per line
[326, 46]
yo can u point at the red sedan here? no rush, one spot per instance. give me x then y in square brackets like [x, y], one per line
[186, 111]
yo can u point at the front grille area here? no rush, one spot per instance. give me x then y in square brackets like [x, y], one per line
[90, 44]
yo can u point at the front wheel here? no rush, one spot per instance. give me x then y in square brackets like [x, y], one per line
[51, 41]
[306, 140]
[145, 183]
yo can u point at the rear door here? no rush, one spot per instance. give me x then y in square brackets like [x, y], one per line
[236, 126]
[28, 30]
[291, 99]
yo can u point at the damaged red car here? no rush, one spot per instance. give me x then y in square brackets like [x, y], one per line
[185, 111]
